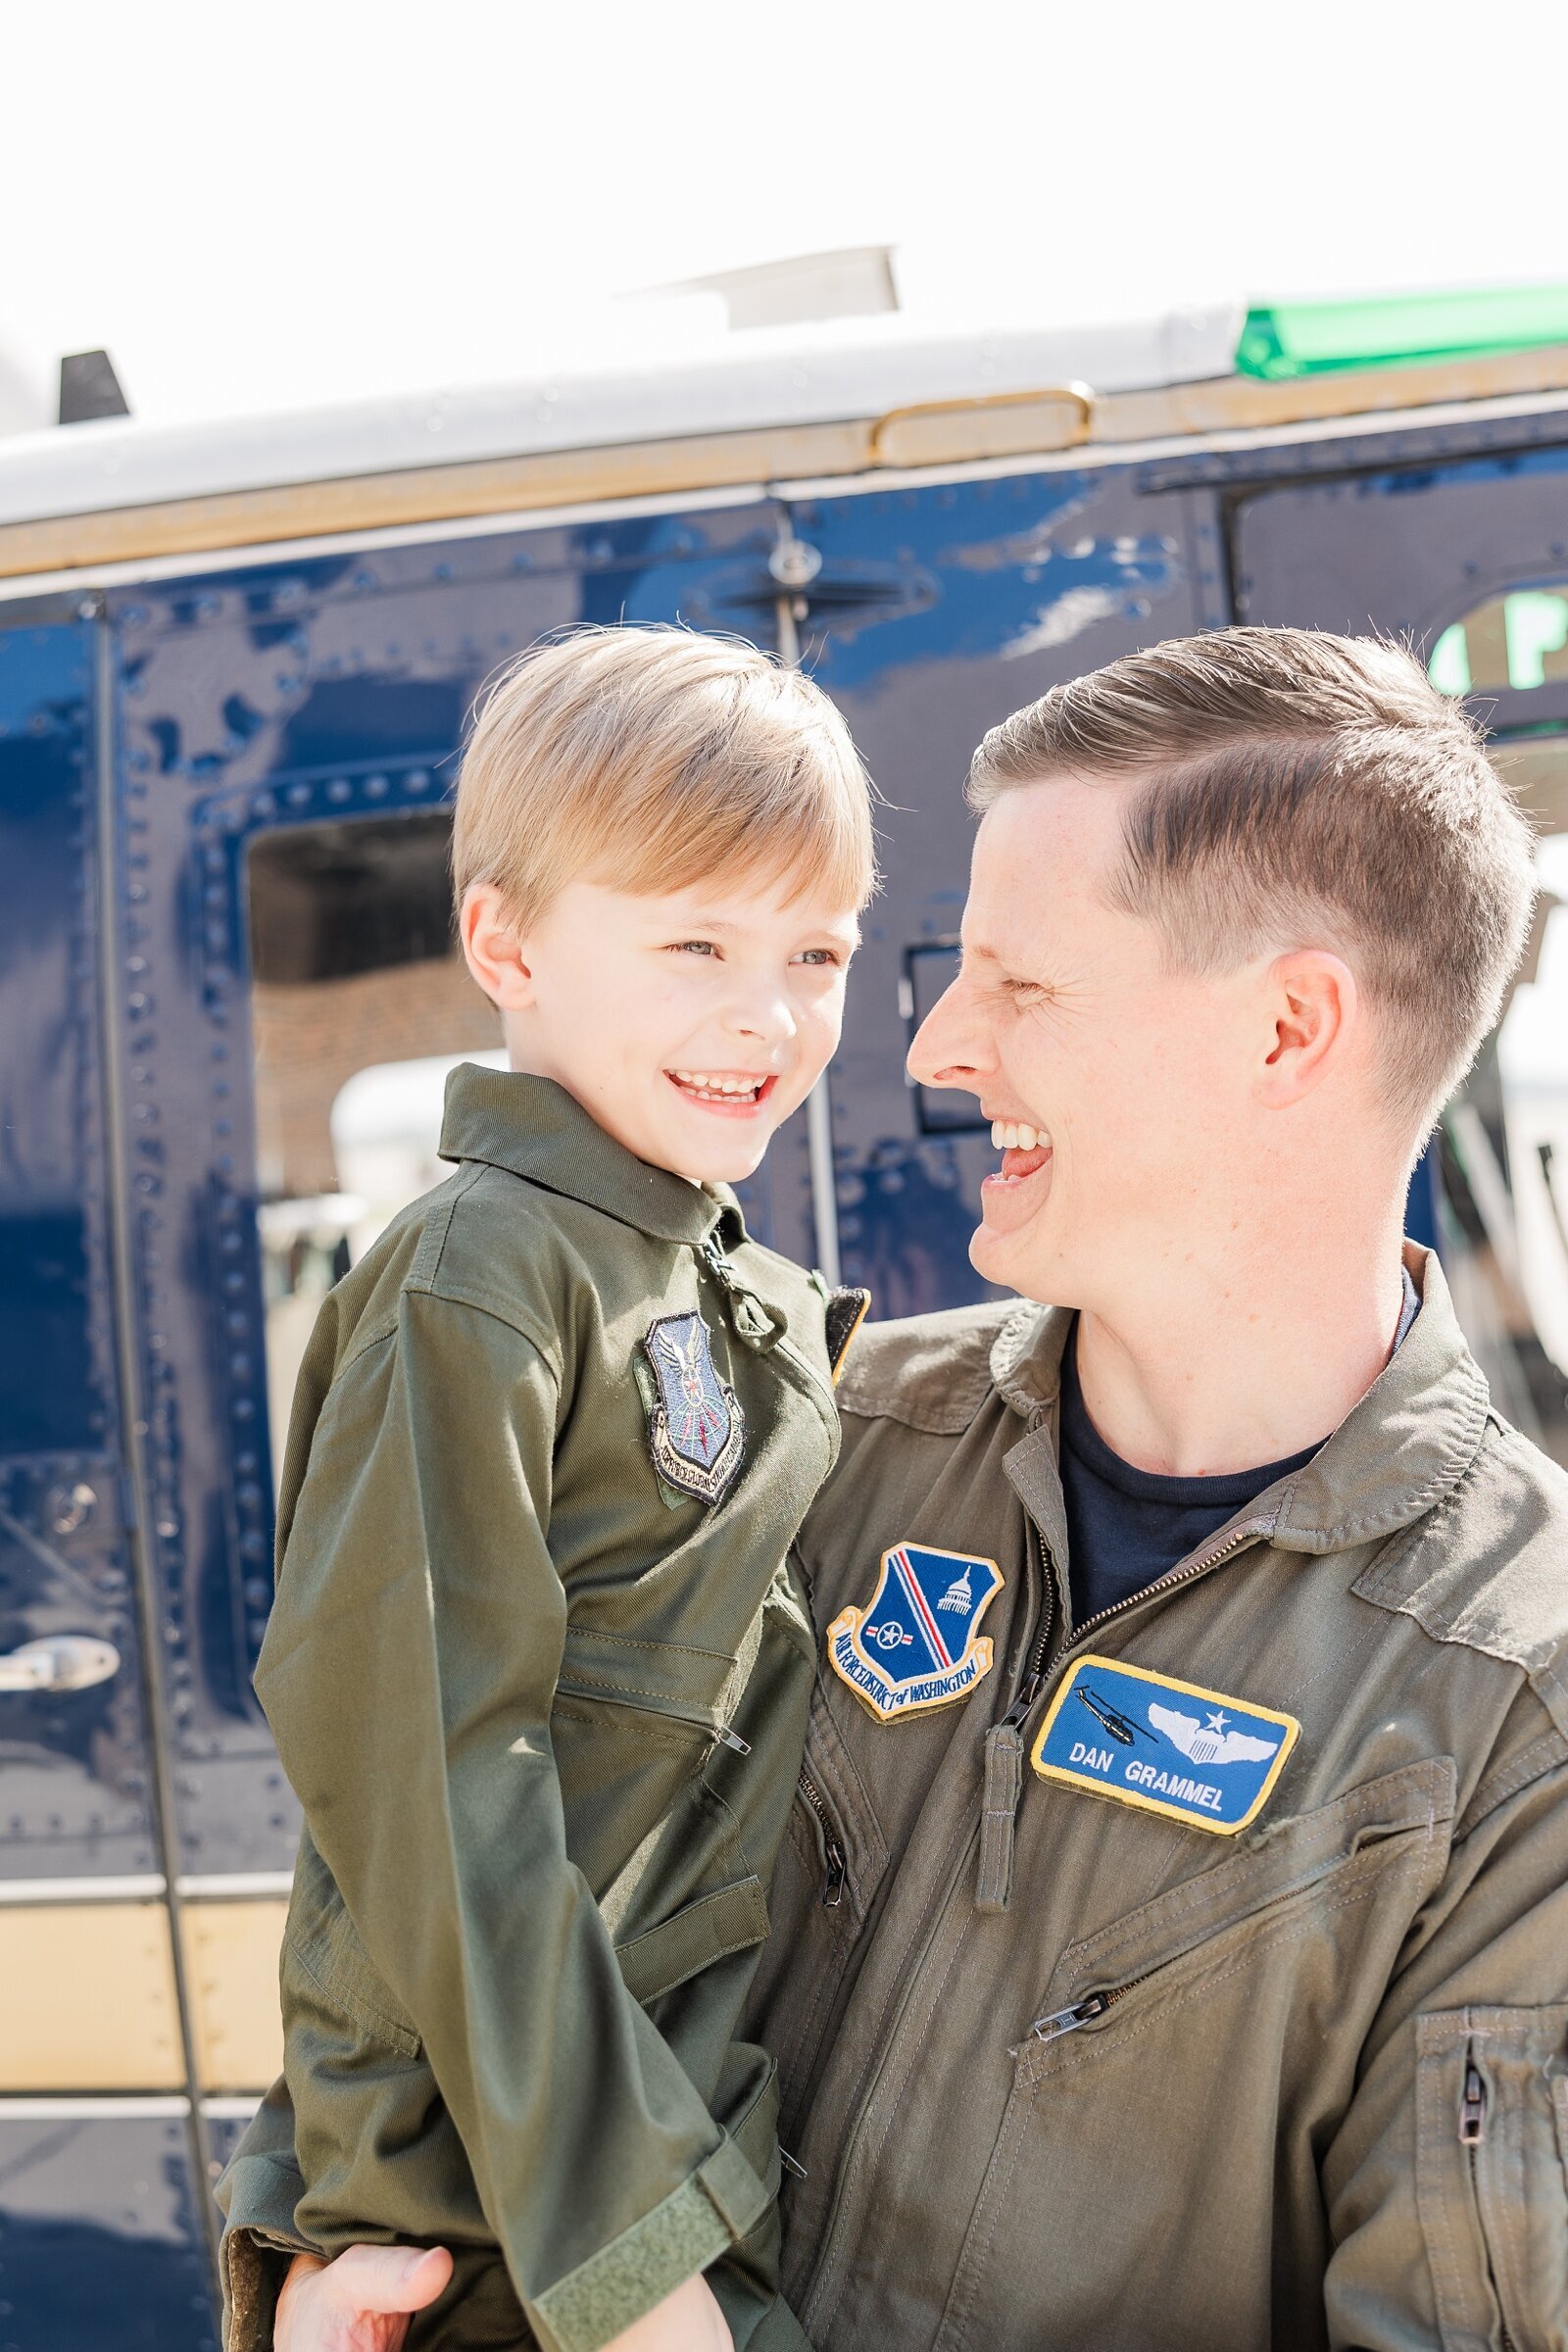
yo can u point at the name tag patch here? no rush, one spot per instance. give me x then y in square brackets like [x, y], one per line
[1167, 1746]
[916, 1645]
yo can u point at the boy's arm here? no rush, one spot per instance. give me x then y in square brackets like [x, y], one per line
[408, 1675]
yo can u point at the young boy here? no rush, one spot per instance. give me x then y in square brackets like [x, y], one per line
[537, 1668]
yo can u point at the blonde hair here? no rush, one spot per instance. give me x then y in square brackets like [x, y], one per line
[1302, 790]
[652, 759]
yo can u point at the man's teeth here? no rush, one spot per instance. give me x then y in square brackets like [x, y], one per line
[1016, 1135]
[704, 1082]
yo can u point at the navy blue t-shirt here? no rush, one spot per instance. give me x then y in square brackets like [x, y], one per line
[1126, 1527]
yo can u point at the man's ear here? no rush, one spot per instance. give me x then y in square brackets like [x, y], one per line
[1314, 1006]
[493, 948]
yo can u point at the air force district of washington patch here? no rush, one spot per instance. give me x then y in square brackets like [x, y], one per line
[1164, 1745]
[916, 1645]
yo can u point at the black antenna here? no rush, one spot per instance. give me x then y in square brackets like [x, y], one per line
[89, 388]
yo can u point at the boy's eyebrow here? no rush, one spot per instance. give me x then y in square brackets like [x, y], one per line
[850, 929]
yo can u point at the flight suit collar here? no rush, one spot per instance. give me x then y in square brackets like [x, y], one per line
[533, 1127]
[1407, 1443]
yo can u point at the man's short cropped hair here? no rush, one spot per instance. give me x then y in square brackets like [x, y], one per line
[650, 759]
[1302, 790]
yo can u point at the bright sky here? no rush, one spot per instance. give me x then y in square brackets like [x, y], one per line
[253, 206]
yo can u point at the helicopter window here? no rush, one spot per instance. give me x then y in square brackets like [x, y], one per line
[1515, 640]
[361, 1003]
[1530, 1098]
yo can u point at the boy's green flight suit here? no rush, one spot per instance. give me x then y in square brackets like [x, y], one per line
[539, 1673]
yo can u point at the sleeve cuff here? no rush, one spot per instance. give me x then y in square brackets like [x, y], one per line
[254, 2266]
[713, 2210]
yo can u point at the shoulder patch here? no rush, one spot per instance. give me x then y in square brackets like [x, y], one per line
[916, 1645]
[1164, 1745]
[846, 1310]
[696, 1428]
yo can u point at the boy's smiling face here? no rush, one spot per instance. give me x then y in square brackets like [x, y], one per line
[688, 1024]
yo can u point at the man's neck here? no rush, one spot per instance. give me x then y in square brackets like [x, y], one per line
[1242, 1367]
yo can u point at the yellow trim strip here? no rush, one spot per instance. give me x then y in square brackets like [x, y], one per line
[89, 2000]
[232, 1950]
[932, 434]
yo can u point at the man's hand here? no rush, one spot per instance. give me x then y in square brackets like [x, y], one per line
[361, 2303]
[358, 2303]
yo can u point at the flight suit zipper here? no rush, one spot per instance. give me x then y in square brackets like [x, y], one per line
[1030, 1691]
[835, 1865]
[1472, 2133]
[1003, 1755]
[1057, 2022]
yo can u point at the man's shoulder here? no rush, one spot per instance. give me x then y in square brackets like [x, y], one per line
[930, 1372]
[1487, 1567]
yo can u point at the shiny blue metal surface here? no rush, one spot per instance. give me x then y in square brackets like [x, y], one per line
[74, 1799]
[937, 612]
[282, 697]
[102, 2244]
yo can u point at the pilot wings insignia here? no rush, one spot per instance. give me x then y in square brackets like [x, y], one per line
[696, 1428]
[1210, 1742]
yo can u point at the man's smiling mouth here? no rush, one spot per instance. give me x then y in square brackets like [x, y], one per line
[1025, 1149]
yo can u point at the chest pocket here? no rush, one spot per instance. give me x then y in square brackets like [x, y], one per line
[689, 1889]
[1255, 1897]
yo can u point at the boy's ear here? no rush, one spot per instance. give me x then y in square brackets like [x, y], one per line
[493, 948]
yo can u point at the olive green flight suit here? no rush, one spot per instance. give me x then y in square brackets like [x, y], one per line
[538, 1670]
[1069, 2076]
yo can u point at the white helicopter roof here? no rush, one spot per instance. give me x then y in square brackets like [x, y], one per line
[757, 378]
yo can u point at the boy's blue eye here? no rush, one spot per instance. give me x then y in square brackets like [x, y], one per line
[818, 955]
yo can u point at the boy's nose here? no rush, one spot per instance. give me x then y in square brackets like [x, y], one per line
[767, 1015]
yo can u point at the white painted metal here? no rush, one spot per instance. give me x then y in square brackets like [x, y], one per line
[770, 376]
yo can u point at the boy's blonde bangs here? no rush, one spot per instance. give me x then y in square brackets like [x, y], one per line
[654, 759]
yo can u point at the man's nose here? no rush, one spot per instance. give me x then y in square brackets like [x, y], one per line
[952, 1046]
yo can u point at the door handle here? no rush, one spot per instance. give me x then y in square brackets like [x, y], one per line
[61, 1662]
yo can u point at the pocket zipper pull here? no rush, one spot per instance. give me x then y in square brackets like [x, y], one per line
[1004, 1786]
[1473, 2107]
[793, 2165]
[733, 1739]
[835, 1870]
[1064, 2021]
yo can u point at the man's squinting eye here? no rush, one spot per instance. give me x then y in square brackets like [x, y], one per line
[691, 947]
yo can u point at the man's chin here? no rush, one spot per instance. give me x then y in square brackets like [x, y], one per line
[1017, 1257]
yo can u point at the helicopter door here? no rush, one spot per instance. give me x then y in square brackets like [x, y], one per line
[102, 2237]
[1468, 560]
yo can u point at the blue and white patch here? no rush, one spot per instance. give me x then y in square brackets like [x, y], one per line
[1164, 1745]
[696, 1428]
[916, 1645]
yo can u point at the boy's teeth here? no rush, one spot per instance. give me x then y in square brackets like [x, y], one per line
[706, 1082]
[1016, 1135]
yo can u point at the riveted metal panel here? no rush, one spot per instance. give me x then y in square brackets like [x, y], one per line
[263, 702]
[75, 1794]
[1406, 548]
[936, 613]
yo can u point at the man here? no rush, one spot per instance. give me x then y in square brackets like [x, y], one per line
[1173, 1943]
